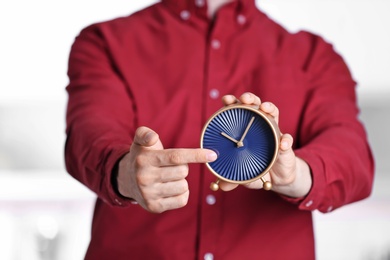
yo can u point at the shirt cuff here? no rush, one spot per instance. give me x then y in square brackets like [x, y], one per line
[313, 199]
[110, 194]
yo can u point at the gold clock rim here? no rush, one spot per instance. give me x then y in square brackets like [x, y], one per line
[271, 122]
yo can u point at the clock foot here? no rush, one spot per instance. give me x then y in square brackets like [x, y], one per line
[266, 184]
[214, 186]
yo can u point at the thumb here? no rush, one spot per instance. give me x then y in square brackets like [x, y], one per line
[286, 142]
[286, 161]
[145, 136]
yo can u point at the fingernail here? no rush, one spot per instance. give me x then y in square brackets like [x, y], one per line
[266, 104]
[246, 95]
[284, 145]
[211, 156]
[147, 137]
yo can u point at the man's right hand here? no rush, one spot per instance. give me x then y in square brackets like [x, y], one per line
[154, 176]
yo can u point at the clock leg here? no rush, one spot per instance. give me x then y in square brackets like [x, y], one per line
[214, 186]
[267, 185]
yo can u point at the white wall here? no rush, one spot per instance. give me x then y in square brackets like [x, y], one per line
[359, 30]
[35, 40]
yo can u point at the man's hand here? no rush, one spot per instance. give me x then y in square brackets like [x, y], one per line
[289, 175]
[154, 176]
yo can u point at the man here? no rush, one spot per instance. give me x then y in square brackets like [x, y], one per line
[142, 87]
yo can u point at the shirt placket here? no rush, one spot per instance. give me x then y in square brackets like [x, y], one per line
[211, 212]
[214, 87]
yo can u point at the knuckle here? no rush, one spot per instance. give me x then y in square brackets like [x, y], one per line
[180, 187]
[182, 200]
[142, 180]
[140, 160]
[175, 158]
[154, 207]
[147, 198]
[183, 171]
[184, 186]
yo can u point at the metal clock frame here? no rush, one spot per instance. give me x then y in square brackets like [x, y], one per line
[276, 134]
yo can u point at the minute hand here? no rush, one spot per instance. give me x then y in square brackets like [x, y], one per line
[241, 143]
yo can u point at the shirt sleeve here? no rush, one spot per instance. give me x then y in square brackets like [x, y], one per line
[100, 116]
[332, 140]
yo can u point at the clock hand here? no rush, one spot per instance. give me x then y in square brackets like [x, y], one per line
[240, 143]
[228, 137]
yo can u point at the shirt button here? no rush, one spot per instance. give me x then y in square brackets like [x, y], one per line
[185, 15]
[210, 199]
[330, 208]
[309, 203]
[215, 44]
[208, 256]
[241, 19]
[199, 3]
[214, 93]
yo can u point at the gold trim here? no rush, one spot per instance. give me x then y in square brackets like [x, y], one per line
[271, 122]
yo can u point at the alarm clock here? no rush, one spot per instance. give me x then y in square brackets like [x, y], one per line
[246, 141]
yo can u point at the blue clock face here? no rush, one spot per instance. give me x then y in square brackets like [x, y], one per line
[245, 141]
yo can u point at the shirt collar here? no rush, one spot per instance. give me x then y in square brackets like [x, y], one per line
[199, 7]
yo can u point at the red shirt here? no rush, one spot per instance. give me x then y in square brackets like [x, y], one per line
[166, 67]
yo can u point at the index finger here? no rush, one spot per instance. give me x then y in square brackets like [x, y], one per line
[170, 157]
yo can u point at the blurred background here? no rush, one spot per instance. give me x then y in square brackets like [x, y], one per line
[45, 214]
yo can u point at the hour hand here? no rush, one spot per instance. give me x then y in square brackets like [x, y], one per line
[229, 137]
